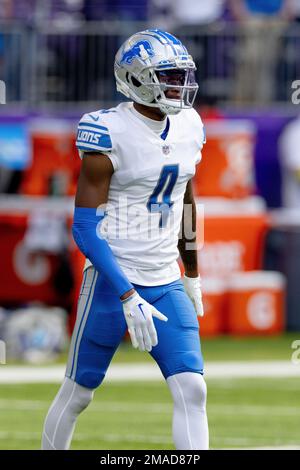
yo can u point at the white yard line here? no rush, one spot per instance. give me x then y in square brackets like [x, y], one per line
[150, 372]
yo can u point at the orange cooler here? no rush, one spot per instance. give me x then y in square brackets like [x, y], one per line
[233, 239]
[256, 303]
[214, 303]
[55, 162]
[227, 165]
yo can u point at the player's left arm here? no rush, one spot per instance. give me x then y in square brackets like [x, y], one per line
[187, 247]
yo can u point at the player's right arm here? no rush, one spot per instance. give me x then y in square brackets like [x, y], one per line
[91, 197]
[92, 191]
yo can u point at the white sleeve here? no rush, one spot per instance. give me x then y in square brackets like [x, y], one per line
[93, 135]
[199, 130]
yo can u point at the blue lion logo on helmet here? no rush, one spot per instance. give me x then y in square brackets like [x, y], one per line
[137, 51]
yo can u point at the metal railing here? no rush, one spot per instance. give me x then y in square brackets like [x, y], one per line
[47, 66]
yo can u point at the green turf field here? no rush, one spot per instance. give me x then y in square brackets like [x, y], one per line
[242, 412]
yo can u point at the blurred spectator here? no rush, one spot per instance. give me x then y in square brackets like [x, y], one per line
[130, 10]
[65, 13]
[126, 10]
[195, 23]
[295, 8]
[5, 9]
[35, 11]
[246, 9]
[19, 10]
[173, 14]
[290, 162]
[262, 24]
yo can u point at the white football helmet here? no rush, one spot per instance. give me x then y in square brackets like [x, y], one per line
[153, 68]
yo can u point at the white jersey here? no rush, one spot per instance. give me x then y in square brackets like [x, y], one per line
[145, 200]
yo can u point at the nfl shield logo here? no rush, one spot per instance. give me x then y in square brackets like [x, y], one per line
[166, 149]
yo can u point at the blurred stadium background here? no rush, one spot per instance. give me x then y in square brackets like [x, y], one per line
[56, 60]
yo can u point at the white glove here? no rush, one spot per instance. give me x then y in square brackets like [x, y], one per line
[192, 287]
[138, 314]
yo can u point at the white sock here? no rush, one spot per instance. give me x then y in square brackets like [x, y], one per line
[60, 421]
[190, 427]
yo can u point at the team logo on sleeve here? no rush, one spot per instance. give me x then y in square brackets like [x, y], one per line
[88, 136]
[142, 50]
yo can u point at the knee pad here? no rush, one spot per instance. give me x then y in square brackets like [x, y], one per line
[80, 397]
[188, 388]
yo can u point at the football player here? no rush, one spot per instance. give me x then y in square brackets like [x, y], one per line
[137, 163]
